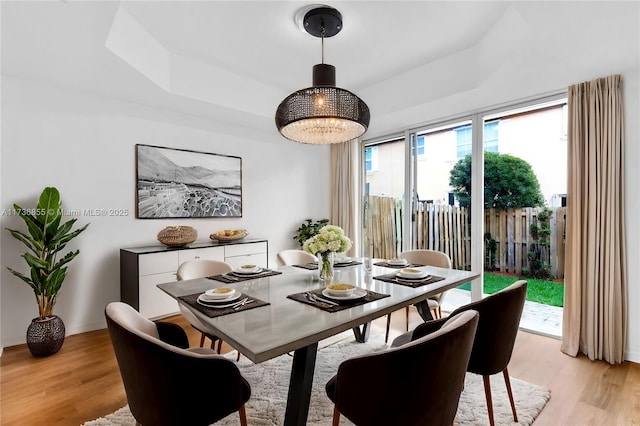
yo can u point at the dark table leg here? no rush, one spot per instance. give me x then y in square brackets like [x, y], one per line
[362, 335]
[304, 363]
[423, 310]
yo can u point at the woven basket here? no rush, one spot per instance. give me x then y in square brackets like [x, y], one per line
[176, 236]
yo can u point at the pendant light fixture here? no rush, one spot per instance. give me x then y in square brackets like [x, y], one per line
[323, 113]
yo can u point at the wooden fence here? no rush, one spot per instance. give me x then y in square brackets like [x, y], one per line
[447, 228]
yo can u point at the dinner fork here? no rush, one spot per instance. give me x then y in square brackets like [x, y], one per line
[319, 299]
[230, 277]
[246, 302]
[240, 303]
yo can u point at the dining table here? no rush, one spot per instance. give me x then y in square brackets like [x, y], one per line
[284, 318]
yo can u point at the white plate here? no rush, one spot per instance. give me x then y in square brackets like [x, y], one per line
[341, 260]
[220, 302]
[213, 296]
[244, 273]
[358, 293]
[402, 262]
[412, 276]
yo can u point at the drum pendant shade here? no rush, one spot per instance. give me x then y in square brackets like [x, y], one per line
[323, 113]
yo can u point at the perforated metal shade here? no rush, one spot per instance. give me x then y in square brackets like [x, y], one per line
[322, 115]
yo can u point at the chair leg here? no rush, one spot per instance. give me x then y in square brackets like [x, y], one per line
[336, 416]
[487, 393]
[407, 317]
[202, 340]
[507, 381]
[386, 334]
[219, 345]
[243, 415]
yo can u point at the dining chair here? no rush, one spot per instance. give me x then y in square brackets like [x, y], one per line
[417, 383]
[496, 335]
[200, 268]
[428, 258]
[164, 380]
[294, 257]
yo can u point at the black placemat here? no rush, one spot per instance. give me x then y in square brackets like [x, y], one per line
[192, 300]
[392, 278]
[237, 278]
[313, 265]
[342, 304]
[390, 265]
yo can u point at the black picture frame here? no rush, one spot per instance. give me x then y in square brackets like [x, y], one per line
[180, 183]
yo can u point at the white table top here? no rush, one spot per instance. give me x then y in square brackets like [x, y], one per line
[285, 325]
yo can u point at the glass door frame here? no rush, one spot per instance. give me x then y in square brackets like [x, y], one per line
[477, 119]
[477, 191]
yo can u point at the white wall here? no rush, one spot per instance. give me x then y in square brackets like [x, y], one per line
[631, 95]
[84, 146]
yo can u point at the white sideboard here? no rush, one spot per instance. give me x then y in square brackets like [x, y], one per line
[143, 268]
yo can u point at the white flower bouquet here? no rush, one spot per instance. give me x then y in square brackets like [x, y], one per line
[330, 238]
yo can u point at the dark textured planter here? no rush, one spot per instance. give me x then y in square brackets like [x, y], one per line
[45, 337]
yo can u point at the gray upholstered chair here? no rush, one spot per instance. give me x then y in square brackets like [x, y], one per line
[497, 330]
[429, 258]
[200, 268]
[294, 257]
[167, 384]
[418, 383]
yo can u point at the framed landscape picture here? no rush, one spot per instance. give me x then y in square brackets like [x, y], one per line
[181, 183]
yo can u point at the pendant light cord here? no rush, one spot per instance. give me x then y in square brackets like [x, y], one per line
[322, 41]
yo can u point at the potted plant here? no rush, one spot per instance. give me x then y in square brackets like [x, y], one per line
[45, 240]
[309, 229]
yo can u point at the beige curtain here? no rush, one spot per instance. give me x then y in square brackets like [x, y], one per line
[595, 310]
[343, 187]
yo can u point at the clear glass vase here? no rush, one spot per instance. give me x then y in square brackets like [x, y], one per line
[325, 265]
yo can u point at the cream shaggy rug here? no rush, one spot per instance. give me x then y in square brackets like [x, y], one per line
[270, 381]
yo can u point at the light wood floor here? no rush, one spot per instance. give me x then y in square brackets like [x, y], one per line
[82, 382]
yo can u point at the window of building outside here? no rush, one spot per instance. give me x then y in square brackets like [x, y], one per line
[371, 159]
[463, 138]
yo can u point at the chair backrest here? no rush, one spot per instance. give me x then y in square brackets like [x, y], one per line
[164, 383]
[497, 329]
[427, 257]
[200, 268]
[294, 257]
[417, 383]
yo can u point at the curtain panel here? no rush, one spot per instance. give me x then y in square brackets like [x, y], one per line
[595, 309]
[344, 167]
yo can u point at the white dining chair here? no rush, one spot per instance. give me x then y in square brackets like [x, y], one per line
[428, 258]
[294, 257]
[200, 268]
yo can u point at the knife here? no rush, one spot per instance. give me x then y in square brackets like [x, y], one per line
[322, 299]
[242, 304]
[315, 301]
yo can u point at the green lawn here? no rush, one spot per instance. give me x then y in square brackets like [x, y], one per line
[547, 292]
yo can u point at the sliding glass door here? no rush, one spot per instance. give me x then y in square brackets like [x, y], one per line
[487, 189]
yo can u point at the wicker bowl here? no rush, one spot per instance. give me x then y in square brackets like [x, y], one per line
[177, 236]
[241, 233]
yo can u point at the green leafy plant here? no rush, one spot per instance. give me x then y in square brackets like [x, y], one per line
[46, 238]
[539, 255]
[309, 229]
[491, 246]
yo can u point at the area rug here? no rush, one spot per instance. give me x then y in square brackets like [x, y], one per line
[270, 381]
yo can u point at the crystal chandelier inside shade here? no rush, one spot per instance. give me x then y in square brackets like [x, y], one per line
[322, 114]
